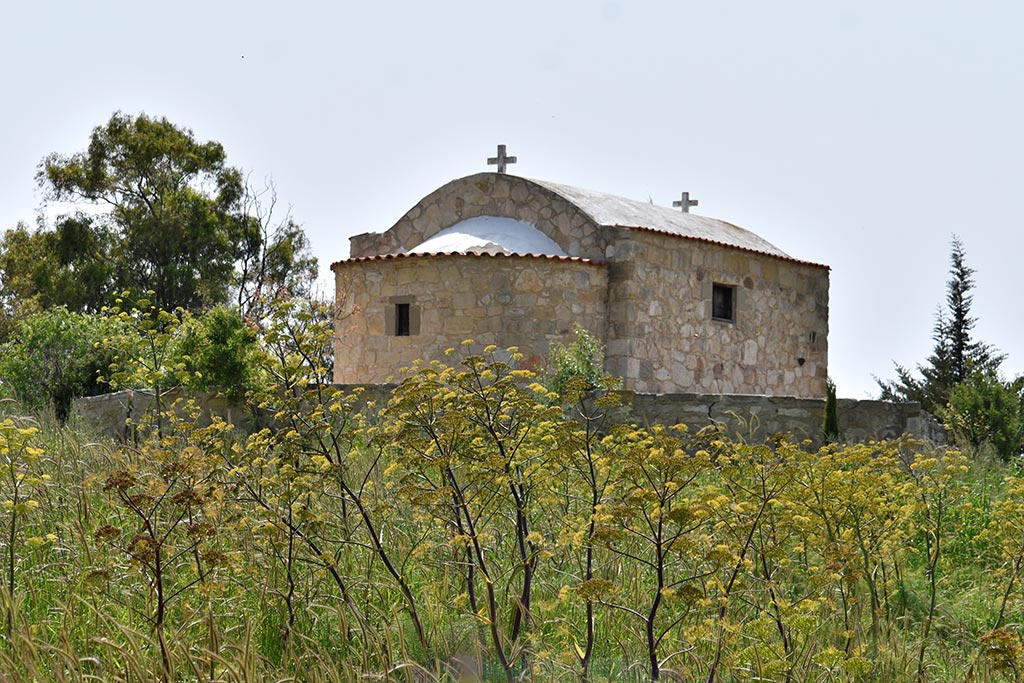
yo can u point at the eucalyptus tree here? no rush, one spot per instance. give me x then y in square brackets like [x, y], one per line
[173, 201]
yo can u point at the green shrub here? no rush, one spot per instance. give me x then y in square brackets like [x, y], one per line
[984, 410]
[55, 356]
[218, 350]
[583, 358]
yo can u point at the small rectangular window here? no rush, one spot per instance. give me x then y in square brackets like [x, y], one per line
[402, 328]
[722, 303]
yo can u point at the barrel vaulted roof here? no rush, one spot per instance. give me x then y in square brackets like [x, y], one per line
[491, 234]
[612, 210]
[498, 234]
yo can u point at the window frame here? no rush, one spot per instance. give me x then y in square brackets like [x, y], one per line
[730, 292]
[403, 319]
[401, 316]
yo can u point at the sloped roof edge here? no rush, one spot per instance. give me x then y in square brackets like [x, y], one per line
[547, 257]
[704, 240]
[613, 210]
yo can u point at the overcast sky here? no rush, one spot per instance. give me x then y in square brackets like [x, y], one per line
[861, 135]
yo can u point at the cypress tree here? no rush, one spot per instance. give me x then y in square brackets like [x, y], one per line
[955, 355]
[830, 428]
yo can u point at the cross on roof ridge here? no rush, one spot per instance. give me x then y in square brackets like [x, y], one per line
[685, 202]
[501, 160]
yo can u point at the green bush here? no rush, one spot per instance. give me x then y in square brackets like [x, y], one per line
[218, 351]
[583, 358]
[55, 356]
[986, 411]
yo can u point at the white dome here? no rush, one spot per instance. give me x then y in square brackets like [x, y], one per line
[490, 235]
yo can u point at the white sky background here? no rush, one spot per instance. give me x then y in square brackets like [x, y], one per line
[861, 135]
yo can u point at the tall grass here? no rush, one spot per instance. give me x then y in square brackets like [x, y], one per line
[474, 530]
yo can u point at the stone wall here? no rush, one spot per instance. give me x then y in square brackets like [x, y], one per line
[487, 194]
[661, 335]
[521, 301]
[113, 415]
[763, 416]
[758, 417]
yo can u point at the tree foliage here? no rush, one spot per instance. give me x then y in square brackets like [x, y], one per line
[219, 351]
[966, 355]
[174, 204]
[830, 424]
[56, 355]
[955, 355]
[168, 215]
[960, 382]
[986, 411]
[68, 266]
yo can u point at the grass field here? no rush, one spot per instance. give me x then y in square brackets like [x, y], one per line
[481, 527]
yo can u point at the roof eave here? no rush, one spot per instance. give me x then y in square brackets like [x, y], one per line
[705, 240]
[387, 257]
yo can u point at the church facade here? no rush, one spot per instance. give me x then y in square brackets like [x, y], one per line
[682, 302]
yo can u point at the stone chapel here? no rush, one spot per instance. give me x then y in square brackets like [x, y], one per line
[682, 302]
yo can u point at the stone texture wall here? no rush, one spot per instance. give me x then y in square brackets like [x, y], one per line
[521, 301]
[756, 417]
[661, 336]
[487, 194]
[108, 414]
[763, 416]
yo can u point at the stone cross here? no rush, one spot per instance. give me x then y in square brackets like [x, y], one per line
[685, 203]
[501, 159]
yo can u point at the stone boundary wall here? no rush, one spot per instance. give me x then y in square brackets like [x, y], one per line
[756, 417]
[108, 414]
[763, 416]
